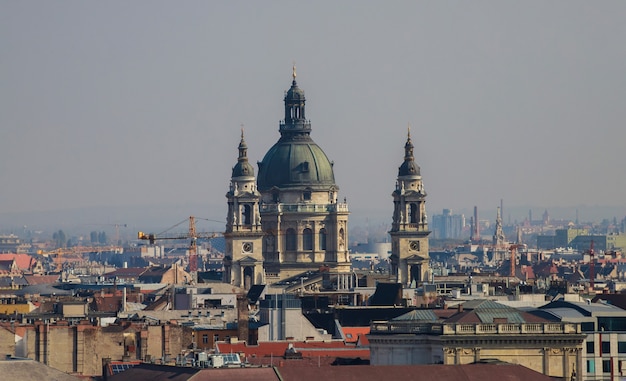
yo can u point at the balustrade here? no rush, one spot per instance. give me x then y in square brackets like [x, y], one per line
[471, 329]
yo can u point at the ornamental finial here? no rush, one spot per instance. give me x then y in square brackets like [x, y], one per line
[293, 74]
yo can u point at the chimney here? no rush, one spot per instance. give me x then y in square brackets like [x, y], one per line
[243, 329]
[460, 307]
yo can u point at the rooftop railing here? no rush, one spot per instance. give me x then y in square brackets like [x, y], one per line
[304, 208]
[412, 327]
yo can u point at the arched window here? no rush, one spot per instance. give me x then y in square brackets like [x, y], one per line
[342, 239]
[307, 239]
[413, 214]
[247, 215]
[290, 239]
[322, 239]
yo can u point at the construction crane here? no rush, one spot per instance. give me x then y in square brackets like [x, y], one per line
[191, 234]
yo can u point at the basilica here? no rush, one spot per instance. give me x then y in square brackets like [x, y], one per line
[289, 220]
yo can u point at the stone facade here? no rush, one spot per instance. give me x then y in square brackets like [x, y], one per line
[409, 229]
[554, 349]
[80, 349]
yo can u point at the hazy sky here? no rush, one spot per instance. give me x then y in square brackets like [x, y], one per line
[140, 103]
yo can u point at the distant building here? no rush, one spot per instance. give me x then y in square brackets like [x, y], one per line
[448, 225]
[604, 327]
[12, 244]
[480, 330]
[80, 348]
[580, 239]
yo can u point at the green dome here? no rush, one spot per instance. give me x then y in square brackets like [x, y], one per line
[295, 160]
[295, 163]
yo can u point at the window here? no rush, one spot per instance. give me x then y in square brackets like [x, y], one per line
[306, 195]
[591, 366]
[590, 347]
[290, 239]
[587, 327]
[606, 366]
[307, 239]
[621, 347]
[322, 239]
[205, 339]
[413, 214]
[606, 347]
[247, 213]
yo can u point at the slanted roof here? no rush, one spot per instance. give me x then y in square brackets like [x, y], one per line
[154, 372]
[487, 311]
[386, 294]
[255, 292]
[30, 370]
[586, 309]
[23, 261]
[127, 272]
[42, 279]
[618, 300]
[467, 372]
[312, 349]
[418, 315]
[353, 334]
[42, 289]
[239, 374]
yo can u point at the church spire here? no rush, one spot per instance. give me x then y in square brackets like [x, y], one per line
[295, 123]
[243, 167]
[409, 167]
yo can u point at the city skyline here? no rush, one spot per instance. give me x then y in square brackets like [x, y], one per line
[119, 106]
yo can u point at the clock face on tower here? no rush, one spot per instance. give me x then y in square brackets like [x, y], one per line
[414, 245]
[247, 247]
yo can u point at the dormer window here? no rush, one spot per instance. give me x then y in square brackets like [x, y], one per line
[305, 166]
[306, 195]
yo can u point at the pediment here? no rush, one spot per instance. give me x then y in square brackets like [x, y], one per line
[248, 259]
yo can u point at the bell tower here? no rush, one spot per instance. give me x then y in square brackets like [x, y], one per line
[409, 229]
[243, 261]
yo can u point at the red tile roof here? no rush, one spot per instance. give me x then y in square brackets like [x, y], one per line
[352, 333]
[41, 279]
[24, 261]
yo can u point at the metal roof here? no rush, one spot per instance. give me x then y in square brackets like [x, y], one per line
[417, 315]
